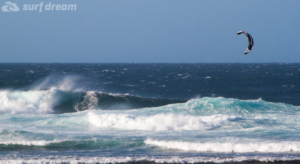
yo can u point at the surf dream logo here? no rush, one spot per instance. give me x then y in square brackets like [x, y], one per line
[10, 7]
[49, 7]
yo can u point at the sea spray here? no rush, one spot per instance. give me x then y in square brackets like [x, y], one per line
[90, 101]
[28, 102]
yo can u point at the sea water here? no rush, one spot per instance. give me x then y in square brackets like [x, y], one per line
[155, 113]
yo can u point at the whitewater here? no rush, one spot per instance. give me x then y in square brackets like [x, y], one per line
[110, 115]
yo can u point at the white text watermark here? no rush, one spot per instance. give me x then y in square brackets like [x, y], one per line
[49, 6]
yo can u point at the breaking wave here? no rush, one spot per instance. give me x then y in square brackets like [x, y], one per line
[158, 122]
[235, 145]
[60, 101]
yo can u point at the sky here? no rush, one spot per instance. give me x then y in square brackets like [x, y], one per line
[149, 31]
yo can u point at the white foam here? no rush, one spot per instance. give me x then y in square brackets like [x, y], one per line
[118, 94]
[228, 147]
[28, 143]
[159, 159]
[28, 102]
[158, 122]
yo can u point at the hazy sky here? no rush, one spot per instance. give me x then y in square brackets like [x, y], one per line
[151, 31]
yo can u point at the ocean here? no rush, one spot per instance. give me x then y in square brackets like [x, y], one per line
[149, 113]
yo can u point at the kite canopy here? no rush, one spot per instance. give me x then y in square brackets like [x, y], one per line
[250, 41]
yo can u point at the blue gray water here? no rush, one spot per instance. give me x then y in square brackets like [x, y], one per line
[162, 113]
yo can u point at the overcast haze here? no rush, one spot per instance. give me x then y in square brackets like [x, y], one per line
[152, 31]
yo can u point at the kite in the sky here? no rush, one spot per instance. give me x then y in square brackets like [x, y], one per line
[250, 41]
